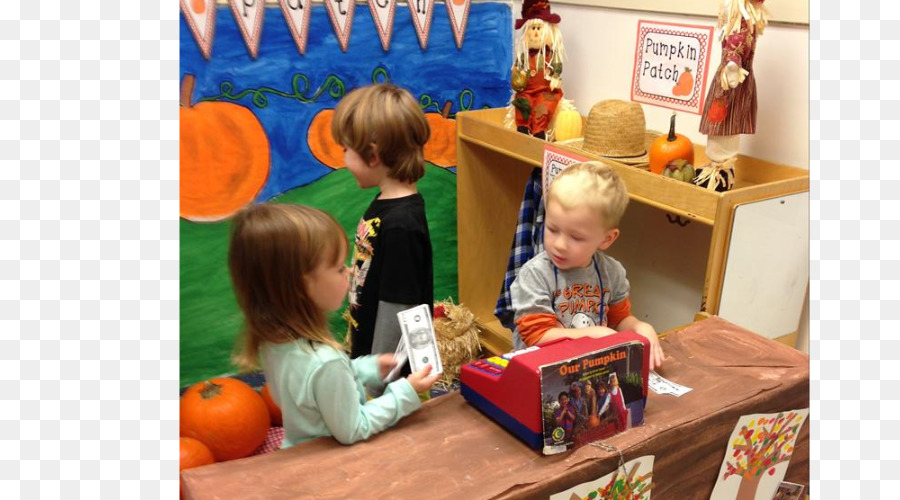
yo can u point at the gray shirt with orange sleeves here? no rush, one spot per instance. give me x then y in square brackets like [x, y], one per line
[545, 297]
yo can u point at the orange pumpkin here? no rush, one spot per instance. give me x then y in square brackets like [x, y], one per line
[321, 143]
[227, 415]
[439, 150]
[274, 410]
[593, 421]
[685, 85]
[224, 156]
[441, 146]
[193, 454]
[668, 147]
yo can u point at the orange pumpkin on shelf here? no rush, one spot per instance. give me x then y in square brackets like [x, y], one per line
[274, 410]
[224, 156]
[226, 415]
[668, 147]
[193, 454]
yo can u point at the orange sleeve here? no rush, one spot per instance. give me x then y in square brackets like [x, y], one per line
[533, 326]
[617, 312]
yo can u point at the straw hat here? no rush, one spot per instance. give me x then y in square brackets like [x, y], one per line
[616, 130]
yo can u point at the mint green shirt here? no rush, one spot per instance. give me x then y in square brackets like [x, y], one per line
[320, 393]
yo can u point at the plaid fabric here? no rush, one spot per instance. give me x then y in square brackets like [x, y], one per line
[272, 442]
[527, 242]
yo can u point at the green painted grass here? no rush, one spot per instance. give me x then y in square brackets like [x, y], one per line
[210, 318]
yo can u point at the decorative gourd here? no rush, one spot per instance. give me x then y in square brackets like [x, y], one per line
[226, 415]
[680, 170]
[193, 454]
[274, 410]
[668, 147]
[567, 124]
[224, 156]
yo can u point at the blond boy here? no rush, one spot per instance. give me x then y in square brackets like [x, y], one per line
[572, 288]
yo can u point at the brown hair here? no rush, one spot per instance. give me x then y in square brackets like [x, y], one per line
[273, 248]
[593, 184]
[390, 118]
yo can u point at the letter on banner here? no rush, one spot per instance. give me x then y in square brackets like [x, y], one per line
[383, 15]
[249, 16]
[458, 12]
[422, 11]
[201, 17]
[341, 14]
[296, 15]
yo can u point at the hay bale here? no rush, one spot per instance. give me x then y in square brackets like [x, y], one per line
[458, 338]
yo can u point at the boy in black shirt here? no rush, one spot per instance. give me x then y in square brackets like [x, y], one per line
[383, 131]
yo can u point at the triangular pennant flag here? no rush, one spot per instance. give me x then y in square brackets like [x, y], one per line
[296, 14]
[201, 17]
[383, 15]
[249, 16]
[422, 11]
[341, 14]
[458, 12]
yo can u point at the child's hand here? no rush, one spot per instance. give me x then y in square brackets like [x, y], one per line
[656, 353]
[386, 363]
[421, 381]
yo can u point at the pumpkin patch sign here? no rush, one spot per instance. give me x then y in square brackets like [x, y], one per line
[671, 62]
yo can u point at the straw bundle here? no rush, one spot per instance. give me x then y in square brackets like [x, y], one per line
[458, 339]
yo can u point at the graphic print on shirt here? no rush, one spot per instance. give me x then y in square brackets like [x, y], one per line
[366, 232]
[580, 304]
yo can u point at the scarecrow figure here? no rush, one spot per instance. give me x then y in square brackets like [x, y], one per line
[730, 108]
[537, 68]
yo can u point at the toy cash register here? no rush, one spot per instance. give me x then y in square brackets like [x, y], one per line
[563, 393]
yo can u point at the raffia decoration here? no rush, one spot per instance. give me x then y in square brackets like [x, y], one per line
[458, 341]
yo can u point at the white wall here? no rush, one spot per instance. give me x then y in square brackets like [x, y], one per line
[600, 47]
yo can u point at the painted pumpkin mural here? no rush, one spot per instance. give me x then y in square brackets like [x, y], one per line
[224, 155]
[440, 149]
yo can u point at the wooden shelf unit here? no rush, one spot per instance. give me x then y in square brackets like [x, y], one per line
[493, 166]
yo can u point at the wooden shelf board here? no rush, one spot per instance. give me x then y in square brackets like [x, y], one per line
[754, 178]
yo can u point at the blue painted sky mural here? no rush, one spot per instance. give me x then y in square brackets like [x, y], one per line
[285, 89]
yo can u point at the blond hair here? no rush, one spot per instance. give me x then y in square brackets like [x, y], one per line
[592, 184]
[388, 117]
[273, 248]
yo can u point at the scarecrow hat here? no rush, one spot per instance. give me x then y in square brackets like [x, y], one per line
[616, 130]
[536, 9]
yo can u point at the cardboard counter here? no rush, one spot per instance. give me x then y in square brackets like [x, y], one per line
[448, 449]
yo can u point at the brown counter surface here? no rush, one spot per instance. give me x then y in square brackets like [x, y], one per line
[448, 449]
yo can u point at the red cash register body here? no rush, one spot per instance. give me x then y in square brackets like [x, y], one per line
[508, 388]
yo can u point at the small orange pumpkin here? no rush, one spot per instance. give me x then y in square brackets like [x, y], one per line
[193, 454]
[274, 410]
[226, 415]
[668, 147]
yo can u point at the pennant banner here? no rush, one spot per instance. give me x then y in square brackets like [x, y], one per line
[383, 15]
[201, 17]
[422, 12]
[458, 12]
[296, 14]
[249, 16]
[341, 14]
